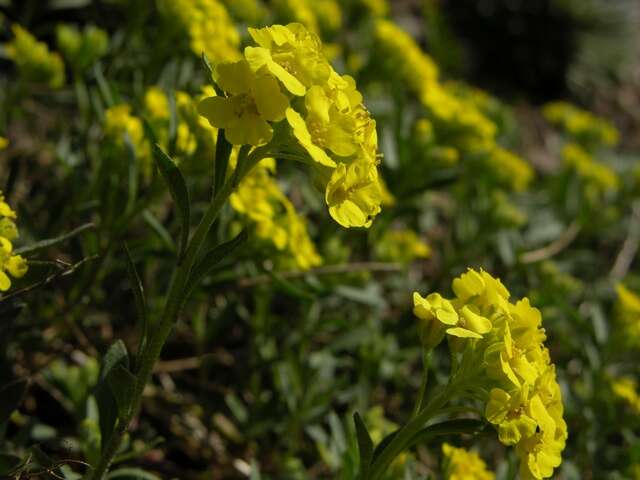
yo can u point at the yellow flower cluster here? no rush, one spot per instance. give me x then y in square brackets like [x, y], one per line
[628, 314]
[510, 361]
[582, 125]
[455, 114]
[286, 76]
[259, 198]
[81, 49]
[4, 143]
[401, 245]
[461, 464]
[208, 26]
[626, 388]
[34, 60]
[121, 126]
[598, 176]
[14, 265]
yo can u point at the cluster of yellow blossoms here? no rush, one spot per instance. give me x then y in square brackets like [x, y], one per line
[507, 363]
[628, 315]
[208, 26]
[598, 177]
[455, 114]
[461, 464]
[401, 245]
[120, 127]
[626, 388]
[260, 199]
[287, 81]
[14, 265]
[81, 49]
[580, 124]
[34, 60]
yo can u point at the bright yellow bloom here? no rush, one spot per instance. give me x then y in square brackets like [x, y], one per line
[208, 26]
[510, 362]
[34, 60]
[353, 194]
[290, 53]
[255, 101]
[582, 125]
[600, 176]
[464, 465]
[4, 143]
[10, 264]
[260, 199]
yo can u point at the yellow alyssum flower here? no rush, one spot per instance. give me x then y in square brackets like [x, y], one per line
[290, 53]
[461, 464]
[509, 168]
[509, 361]
[402, 245]
[353, 194]
[261, 200]
[626, 388]
[600, 176]
[628, 314]
[14, 265]
[4, 143]
[255, 101]
[120, 125]
[157, 103]
[208, 26]
[300, 11]
[582, 125]
[329, 127]
[34, 60]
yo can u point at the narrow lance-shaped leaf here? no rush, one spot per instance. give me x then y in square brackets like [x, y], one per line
[141, 308]
[178, 188]
[50, 242]
[123, 384]
[365, 445]
[211, 259]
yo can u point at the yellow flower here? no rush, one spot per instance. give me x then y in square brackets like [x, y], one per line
[255, 101]
[509, 168]
[353, 194]
[290, 53]
[464, 465]
[626, 388]
[208, 25]
[402, 245]
[157, 103]
[34, 60]
[4, 143]
[594, 173]
[580, 124]
[11, 264]
[120, 125]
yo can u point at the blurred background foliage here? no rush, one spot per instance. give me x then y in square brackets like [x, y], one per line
[261, 377]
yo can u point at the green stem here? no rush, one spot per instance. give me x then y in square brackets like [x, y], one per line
[175, 300]
[426, 361]
[404, 436]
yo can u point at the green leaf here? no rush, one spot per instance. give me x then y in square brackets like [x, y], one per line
[223, 151]
[466, 426]
[178, 188]
[211, 259]
[123, 385]
[365, 445]
[11, 396]
[107, 405]
[9, 464]
[141, 307]
[50, 242]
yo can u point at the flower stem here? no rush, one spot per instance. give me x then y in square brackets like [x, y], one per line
[173, 306]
